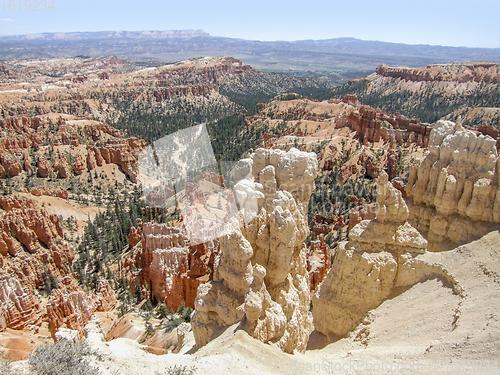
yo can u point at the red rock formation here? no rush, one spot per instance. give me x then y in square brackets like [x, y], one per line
[135, 235]
[171, 268]
[61, 166]
[61, 193]
[19, 307]
[366, 124]
[212, 177]
[392, 164]
[70, 307]
[329, 157]
[346, 172]
[491, 131]
[32, 248]
[372, 167]
[10, 164]
[23, 133]
[26, 162]
[123, 152]
[195, 195]
[320, 225]
[318, 262]
[39, 191]
[43, 166]
[372, 125]
[350, 99]
[8, 202]
[80, 164]
[400, 185]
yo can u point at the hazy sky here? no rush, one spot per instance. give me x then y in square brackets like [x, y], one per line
[445, 22]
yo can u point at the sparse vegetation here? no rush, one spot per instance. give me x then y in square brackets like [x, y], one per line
[173, 320]
[178, 370]
[62, 358]
[6, 367]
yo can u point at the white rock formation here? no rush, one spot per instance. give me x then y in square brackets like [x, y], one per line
[67, 334]
[378, 259]
[260, 277]
[455, 189]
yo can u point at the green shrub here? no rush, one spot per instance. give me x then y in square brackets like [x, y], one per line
[62, 358]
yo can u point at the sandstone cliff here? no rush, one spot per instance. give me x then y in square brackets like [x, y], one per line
[455, 189]
[172, 268]
[101, 144]
[379, 261]
[33, 253]
[260, 275]
[469, 72]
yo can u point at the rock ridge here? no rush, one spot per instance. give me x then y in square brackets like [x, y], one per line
[260, 274]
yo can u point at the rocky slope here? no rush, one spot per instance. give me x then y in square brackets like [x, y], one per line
[166, 262]
[429, 92]
[260, 276]
[451, 200]
[379, 260]
[454, 189]
[176, 95]
[46, 147]
[36, 284]
[351, 139]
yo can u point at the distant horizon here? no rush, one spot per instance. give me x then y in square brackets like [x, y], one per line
[450, 23]
[229, 37]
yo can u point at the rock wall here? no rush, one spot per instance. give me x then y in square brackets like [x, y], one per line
[491, 131]
[318, 261]
[102, 144]
[377, 262]
[455, 189]
[468, 72]
[70, 307]
[260, 276]
[33, 249]
[373, 125]
[172, 269]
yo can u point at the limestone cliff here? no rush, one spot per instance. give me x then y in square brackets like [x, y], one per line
[260, 275]
[455, 189]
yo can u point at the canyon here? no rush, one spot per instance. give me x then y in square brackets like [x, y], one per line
[350, 232]
[37, 286]
[389, 277]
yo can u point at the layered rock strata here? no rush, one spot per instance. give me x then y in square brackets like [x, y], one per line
[455, 189]
[380, 260]
[33, 253]
[103, 144]
[260, 276]
[172, 268]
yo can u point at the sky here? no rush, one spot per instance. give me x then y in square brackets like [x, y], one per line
[436, 22]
